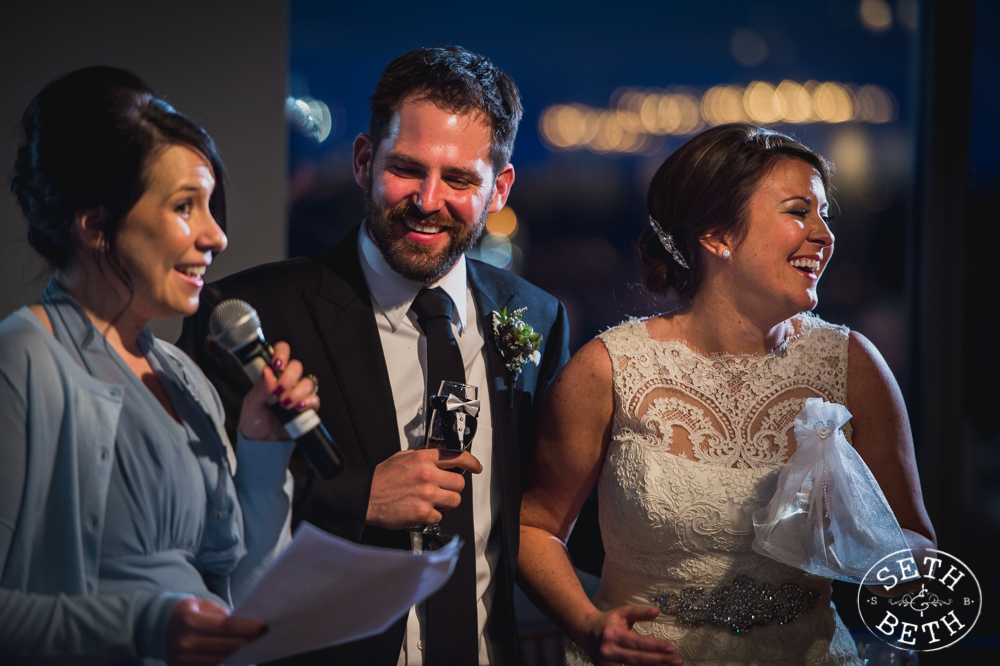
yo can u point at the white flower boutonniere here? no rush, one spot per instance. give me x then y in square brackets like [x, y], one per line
[517, 343]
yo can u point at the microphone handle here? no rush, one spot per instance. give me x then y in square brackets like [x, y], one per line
[321, 452]
[304, 427]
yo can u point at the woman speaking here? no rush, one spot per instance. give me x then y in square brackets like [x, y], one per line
[127, 523]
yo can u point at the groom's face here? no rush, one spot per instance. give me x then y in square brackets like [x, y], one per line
[429, 187]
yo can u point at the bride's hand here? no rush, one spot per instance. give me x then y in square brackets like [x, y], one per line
[610, 641]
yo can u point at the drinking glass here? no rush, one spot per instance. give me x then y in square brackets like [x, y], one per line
[446, 429]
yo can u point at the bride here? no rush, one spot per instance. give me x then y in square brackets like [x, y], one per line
[684, 421]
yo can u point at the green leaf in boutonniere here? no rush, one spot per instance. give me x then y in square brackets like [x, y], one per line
[517, 343]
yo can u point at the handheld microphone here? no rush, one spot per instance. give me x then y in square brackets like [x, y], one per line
[235, 326]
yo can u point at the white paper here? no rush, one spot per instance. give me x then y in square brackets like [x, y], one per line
[324, 590]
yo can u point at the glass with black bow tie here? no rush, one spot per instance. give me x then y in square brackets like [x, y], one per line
[452, 426]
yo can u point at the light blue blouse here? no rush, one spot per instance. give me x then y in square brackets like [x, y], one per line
[114, 510]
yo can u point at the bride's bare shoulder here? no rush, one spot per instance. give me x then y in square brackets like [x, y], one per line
[591, 363]
[584, 388]
[868, 375]
[579, 406]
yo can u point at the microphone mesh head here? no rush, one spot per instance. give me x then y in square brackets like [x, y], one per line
[234, 323]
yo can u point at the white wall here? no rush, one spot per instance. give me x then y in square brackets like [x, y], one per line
[222, 62]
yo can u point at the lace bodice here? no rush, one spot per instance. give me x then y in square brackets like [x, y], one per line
[696, 446]
[732, 411]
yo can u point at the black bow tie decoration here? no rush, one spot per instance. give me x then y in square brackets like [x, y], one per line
[454, 421]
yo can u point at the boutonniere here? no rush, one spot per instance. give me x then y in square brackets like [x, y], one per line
[517, 343]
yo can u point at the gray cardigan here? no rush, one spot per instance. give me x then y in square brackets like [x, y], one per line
[57, 437]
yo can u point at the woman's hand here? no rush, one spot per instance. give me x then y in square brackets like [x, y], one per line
[291, 389]
[610, 641]
[201, 633]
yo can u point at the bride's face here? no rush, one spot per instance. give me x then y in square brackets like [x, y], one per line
[788, 243]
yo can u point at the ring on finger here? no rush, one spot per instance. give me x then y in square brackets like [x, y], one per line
[315, 380]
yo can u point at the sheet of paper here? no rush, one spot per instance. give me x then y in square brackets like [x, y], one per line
[325, 590]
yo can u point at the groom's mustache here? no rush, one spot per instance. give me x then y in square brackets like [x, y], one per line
[408, 209]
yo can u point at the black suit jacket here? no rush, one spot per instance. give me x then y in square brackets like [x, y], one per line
[320, 305]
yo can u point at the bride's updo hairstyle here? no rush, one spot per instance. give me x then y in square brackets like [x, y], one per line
[87, 139]
[704, 188]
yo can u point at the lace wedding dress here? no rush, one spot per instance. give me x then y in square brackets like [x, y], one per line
[696, 447]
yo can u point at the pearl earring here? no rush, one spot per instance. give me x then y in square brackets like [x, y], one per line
[726, 254]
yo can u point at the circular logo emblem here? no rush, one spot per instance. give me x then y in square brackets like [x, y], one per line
[937, 609]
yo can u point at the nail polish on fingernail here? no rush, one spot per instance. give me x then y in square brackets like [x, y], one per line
[301, 405]
[277, 364]
[279, 390]
[286, 402]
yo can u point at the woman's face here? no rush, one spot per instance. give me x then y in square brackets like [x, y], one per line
[167, 240]
[788, 243]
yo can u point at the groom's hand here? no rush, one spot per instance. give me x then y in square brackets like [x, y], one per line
[413, 487]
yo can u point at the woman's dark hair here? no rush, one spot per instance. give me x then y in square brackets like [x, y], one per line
[87, 140]
[704, 188]
[454, 79]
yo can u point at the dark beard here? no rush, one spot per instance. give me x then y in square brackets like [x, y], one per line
[416, 261]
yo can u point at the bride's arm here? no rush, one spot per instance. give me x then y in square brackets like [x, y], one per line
[573, 433]
[881, 436]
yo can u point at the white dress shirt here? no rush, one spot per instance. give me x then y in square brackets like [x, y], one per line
[405, 348]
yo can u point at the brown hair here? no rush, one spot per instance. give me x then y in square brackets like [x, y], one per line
[87, 140]
[704, 188]
[454, 79]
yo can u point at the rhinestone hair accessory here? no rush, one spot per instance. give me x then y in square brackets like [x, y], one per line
[667, 239]
[738, 607]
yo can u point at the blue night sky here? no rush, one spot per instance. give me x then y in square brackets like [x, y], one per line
[560, 52]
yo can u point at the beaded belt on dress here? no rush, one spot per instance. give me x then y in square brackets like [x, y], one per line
[738, 607]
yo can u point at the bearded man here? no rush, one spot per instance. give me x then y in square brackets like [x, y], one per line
[434, 164]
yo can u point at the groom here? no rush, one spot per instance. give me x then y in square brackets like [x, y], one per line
[397, 305]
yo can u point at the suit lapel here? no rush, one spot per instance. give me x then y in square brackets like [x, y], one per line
[489, 297]
[345, 320]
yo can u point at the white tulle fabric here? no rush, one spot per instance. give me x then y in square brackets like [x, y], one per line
[828, 516]
[696, 447]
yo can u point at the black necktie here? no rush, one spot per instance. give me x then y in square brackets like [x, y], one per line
[452, 619]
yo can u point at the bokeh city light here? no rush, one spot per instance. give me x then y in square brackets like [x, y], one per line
[635, 115]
